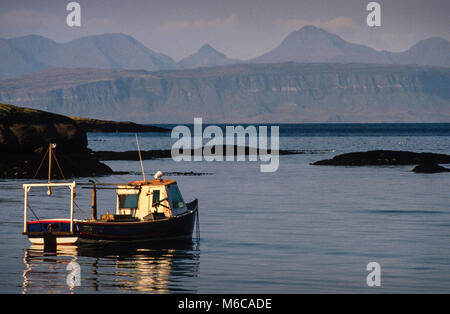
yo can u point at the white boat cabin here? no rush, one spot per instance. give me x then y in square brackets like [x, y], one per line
[150, 200]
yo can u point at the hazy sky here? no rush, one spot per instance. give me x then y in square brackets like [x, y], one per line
[239, 28]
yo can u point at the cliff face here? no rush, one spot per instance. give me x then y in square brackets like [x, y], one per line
[283, 92]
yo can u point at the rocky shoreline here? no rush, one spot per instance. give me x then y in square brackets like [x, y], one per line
[25, 135]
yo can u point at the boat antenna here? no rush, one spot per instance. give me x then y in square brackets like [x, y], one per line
[50, 155]
[140, 157]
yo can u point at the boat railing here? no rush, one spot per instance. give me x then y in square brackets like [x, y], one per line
[27, 187]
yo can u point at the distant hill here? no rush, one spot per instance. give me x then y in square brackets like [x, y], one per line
[108, 51]
[312, 44]
[431, 51]
[277, 92]
[206, 56]
[14, 62]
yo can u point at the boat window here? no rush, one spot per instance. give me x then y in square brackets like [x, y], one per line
[175, 197]
[155, 196]
[128, 200]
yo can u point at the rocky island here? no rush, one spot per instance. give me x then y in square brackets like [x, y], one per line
[167, 153]
[384, 157]
[427, 162]
[25, 135]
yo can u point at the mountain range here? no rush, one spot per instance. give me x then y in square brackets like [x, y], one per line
[312, 76]
[23, 55]
[27, 54]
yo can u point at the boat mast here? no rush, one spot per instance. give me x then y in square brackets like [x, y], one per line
[50, 153]
[140, 157]
[94, 200]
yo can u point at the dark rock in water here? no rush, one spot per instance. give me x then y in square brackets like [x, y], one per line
[25, 135]
[132, 154]
[93, 125]
[384, 157]
[190, 173]
[168, 174]
[430, 168]
[167, 153]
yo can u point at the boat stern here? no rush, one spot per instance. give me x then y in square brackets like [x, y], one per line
[57, 231]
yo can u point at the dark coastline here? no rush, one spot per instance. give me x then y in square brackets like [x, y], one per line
[166, 153]
[95, 125]
[25, 137]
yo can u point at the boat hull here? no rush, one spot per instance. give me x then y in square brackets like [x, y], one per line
[169, 228]
[84, 231]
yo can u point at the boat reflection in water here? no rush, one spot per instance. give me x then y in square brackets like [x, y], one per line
[160, 267]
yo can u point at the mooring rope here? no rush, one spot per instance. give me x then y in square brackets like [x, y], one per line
[42, 162]
[198, 225]
[57, 163]
[53, 154]
[28, 205]
[82, 212]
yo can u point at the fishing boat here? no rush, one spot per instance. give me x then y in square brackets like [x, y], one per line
[145, 210]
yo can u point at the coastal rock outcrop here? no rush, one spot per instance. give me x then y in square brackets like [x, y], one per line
[25, 135]
[384, 157]
[68, 165]
[25, 130]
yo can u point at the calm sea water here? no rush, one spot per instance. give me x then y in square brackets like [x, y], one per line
[301, 229]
